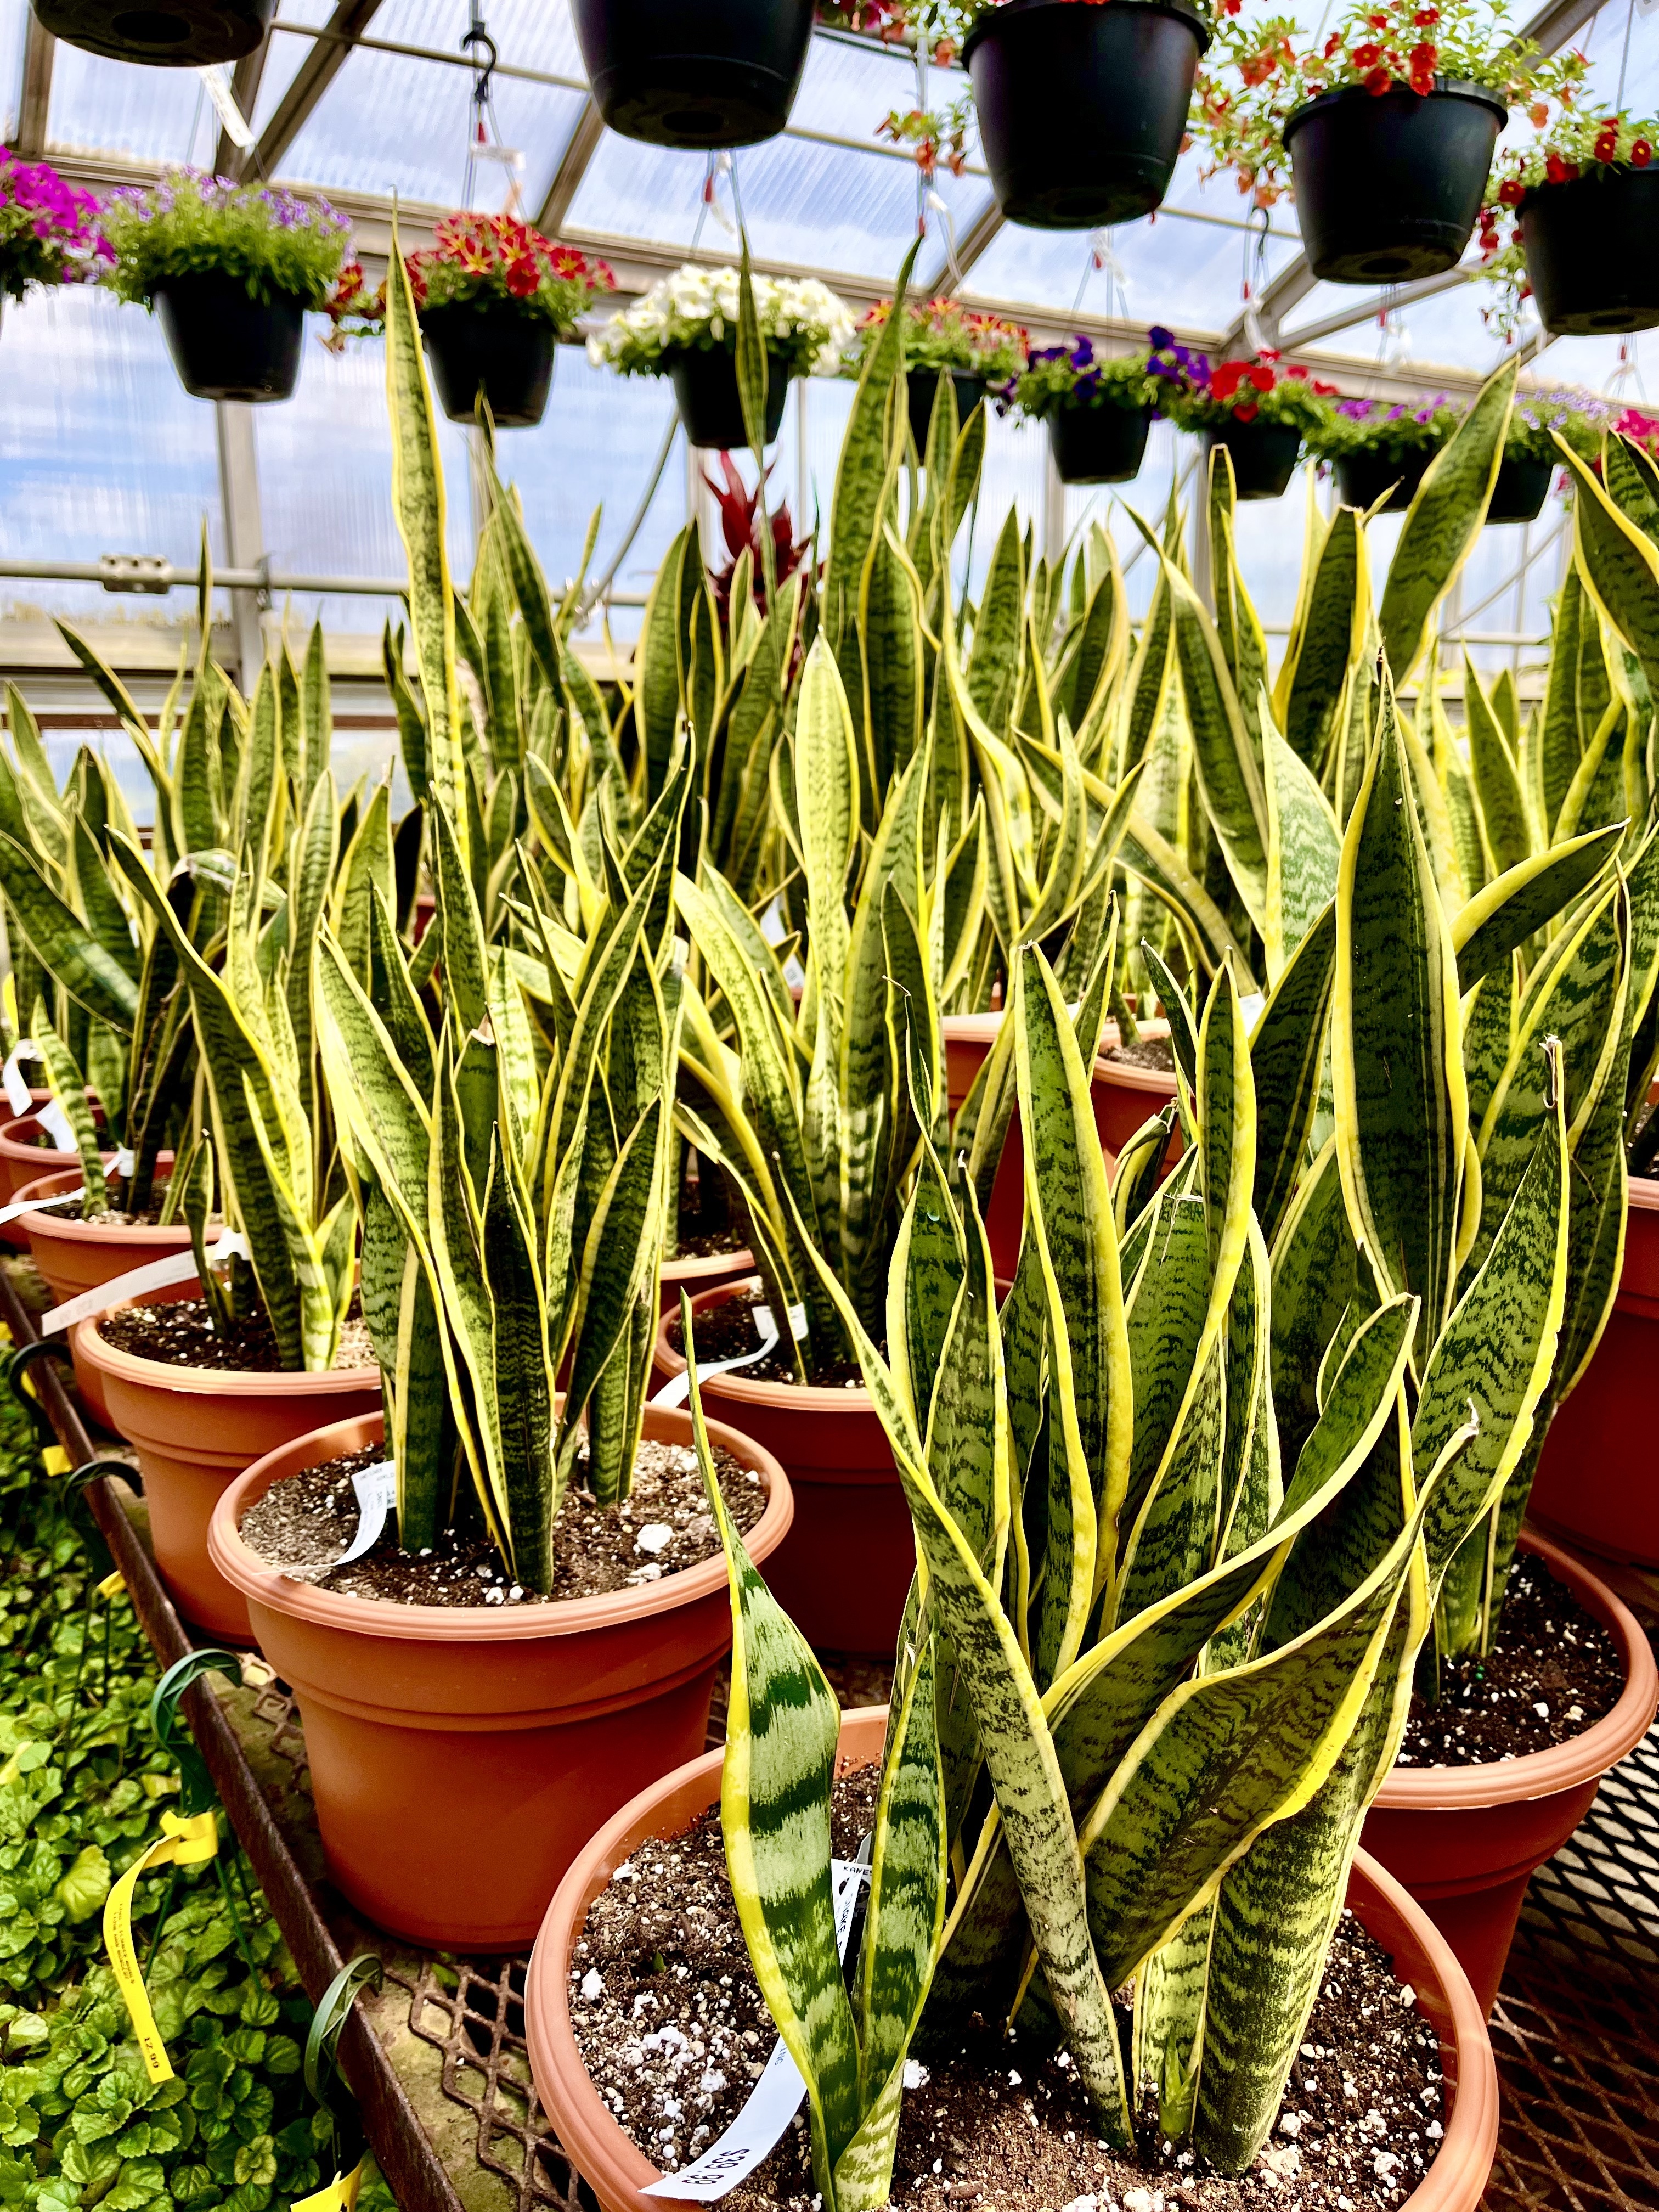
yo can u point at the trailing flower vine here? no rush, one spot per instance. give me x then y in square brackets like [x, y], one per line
[49, 232]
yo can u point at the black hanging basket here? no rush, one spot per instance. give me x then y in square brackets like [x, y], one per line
[723, 73]
[168, 34]
[1592, 248]
[706, 389]
[1100, 444]
[227, 346]
[921, 385]
[1389, 188]
[1082, 109]
[1362, 479]
[1521, 488]
[493, 344]
[1264, 456]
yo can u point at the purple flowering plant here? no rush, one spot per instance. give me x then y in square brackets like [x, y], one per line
[1198, 395]
[272, 241]
[1581, 417]
[1057, 379]
[49, 232]
[1391, 429]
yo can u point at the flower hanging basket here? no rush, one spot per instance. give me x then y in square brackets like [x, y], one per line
[1521, 488]
[1363, 478]
[168, 33]
[225, 345]
[1102, 444]
[920, 386]
[1592, 249]
[1264, 456]
[1389, 188]
[1082, 109]
[724, 74]
[491, 346]
[706, 389]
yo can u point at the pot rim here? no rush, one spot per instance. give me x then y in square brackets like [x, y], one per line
[278, 300]
[1445, 88]
[105, 1359]
[1562, 1766]
[584, 2123]
[12, 1148]
[1182, 12]
[810, 1398]
[337, 1610]
[741, 1262]
[1603, 174]
[177, 1233]
[1641, 1194]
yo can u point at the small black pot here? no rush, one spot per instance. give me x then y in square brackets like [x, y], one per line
[166, 34]
[1100, 444]
[706, 389]
[1592, 248]
[1082, 109]
[1389, 188]
[226, 346]
[921, 385]
[1362, 479]
[1520, 490]
[723, 73]
[1264, 456]
[492, 344]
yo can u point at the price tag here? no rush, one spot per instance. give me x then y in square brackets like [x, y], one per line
[775, 2098]
[34, 1205]
[56, 1123]
[340, 2195]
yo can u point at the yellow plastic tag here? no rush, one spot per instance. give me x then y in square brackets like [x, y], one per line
[9, 1772]
[340, 2195]
[55, 1460]
[113, 1584]
[183, 1842]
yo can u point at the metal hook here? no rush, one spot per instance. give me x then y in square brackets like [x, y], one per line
[196, 1790]
[320, 2070]
[477, 36]
[21, 1360]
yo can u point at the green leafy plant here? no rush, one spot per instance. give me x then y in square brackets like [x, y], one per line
[943, 334]
[1199, 395]
[1060, 377]
[272, 243]
[1390, 429]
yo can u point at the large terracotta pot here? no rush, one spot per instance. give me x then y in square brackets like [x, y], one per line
[1126, 1097]
[619, 2174]
[704, 1272]
[75, 1256]
[196, 1430]
[1465, 1840]
[25, 1155]
[460, 1758]
[844, 1572]
[1594, 1486]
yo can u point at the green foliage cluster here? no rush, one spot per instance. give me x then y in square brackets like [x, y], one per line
[276, 245]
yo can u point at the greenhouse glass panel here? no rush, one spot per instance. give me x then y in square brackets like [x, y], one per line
[14, 18]
[101, 106]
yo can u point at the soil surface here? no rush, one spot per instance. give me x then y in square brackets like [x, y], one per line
[1553, 1672]
[708, 1244]
[674, 2033]
[1147, 1052]
[727, 1330]
[180, 1335]
[114, 1216]
[663, 1528]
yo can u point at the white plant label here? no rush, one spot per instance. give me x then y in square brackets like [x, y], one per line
[677, 1389]
[377, 1494]
[775, 2098]
[34, 1205]
[122, 1290]
[56, 1123]
[17, 1091]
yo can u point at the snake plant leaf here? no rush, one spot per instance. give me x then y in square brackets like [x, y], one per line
[132, 718]
[994, 664]
[1619, 567]
[198, 817]
[1489, 1033]
[365, 866]
[622, 1247]
[68, 1086]
[66, 948]
[94, 889]
[1596, 1224]
[1596, 793]
[372, 1088]
[1396, 1066]
[1150, 856]
[465, 959]
[1140, 1165]
[1227, 769]
[454, 1235]
[521, 1369]
[320, 1289]
[1287, 1059]
[782, 1726]
[311, 873]
[1525, 899]
[417, 498]
[827, 810]
[1178, 1012]
[929, 1263]
[1330, 634]
[1150, 680]
[1504, 819]
[1305, 848]
[1443, 522]
[1315, 1264]
[1167, 1305]
[857, 511]
[895, 673]
[1559, 743]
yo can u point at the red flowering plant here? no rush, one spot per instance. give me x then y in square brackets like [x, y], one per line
[943, 334]
[1257, 73]
[1576, 143]
[1197, 396]
[935, 136]
[743, 515]
[477, 259]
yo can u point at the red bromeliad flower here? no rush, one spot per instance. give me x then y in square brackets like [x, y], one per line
[740, 511]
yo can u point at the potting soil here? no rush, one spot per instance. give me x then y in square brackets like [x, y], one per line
[726, 1331]
[180, 1335]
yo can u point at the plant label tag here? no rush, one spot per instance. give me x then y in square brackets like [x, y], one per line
[32, 1205]
[17, 1092]
[56, 1123]
[776, 2097]
[377, 1494]
[677, 1389]
[122, 1290]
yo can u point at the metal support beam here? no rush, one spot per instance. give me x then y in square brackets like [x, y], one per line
[1405, 296]
[312, 80]
[245, 80]
[245, 542]
[583, 144]
[29, 140]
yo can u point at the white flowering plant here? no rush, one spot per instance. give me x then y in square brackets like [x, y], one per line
[802, 321]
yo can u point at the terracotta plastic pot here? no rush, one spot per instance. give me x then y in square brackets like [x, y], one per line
[166, 34]
[196, 1430]
[491, 342]
[1465, 1840]
[1264, 456]
[26, 1154]
[461, 1757]
[1521, 488]
[705, 380]
[1362, 479]
[701, 1273]
[619, 2173]
[72, 1256]
[1389, 188]
[1592, 249]
[1102, 444]
[1594, 1486]
[1082, 109]
[843, 1573]
[227, 346]
[921, 388]
[1127, 1096]
[724, 74]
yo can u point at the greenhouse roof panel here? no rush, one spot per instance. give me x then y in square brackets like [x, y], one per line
[101, 106]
